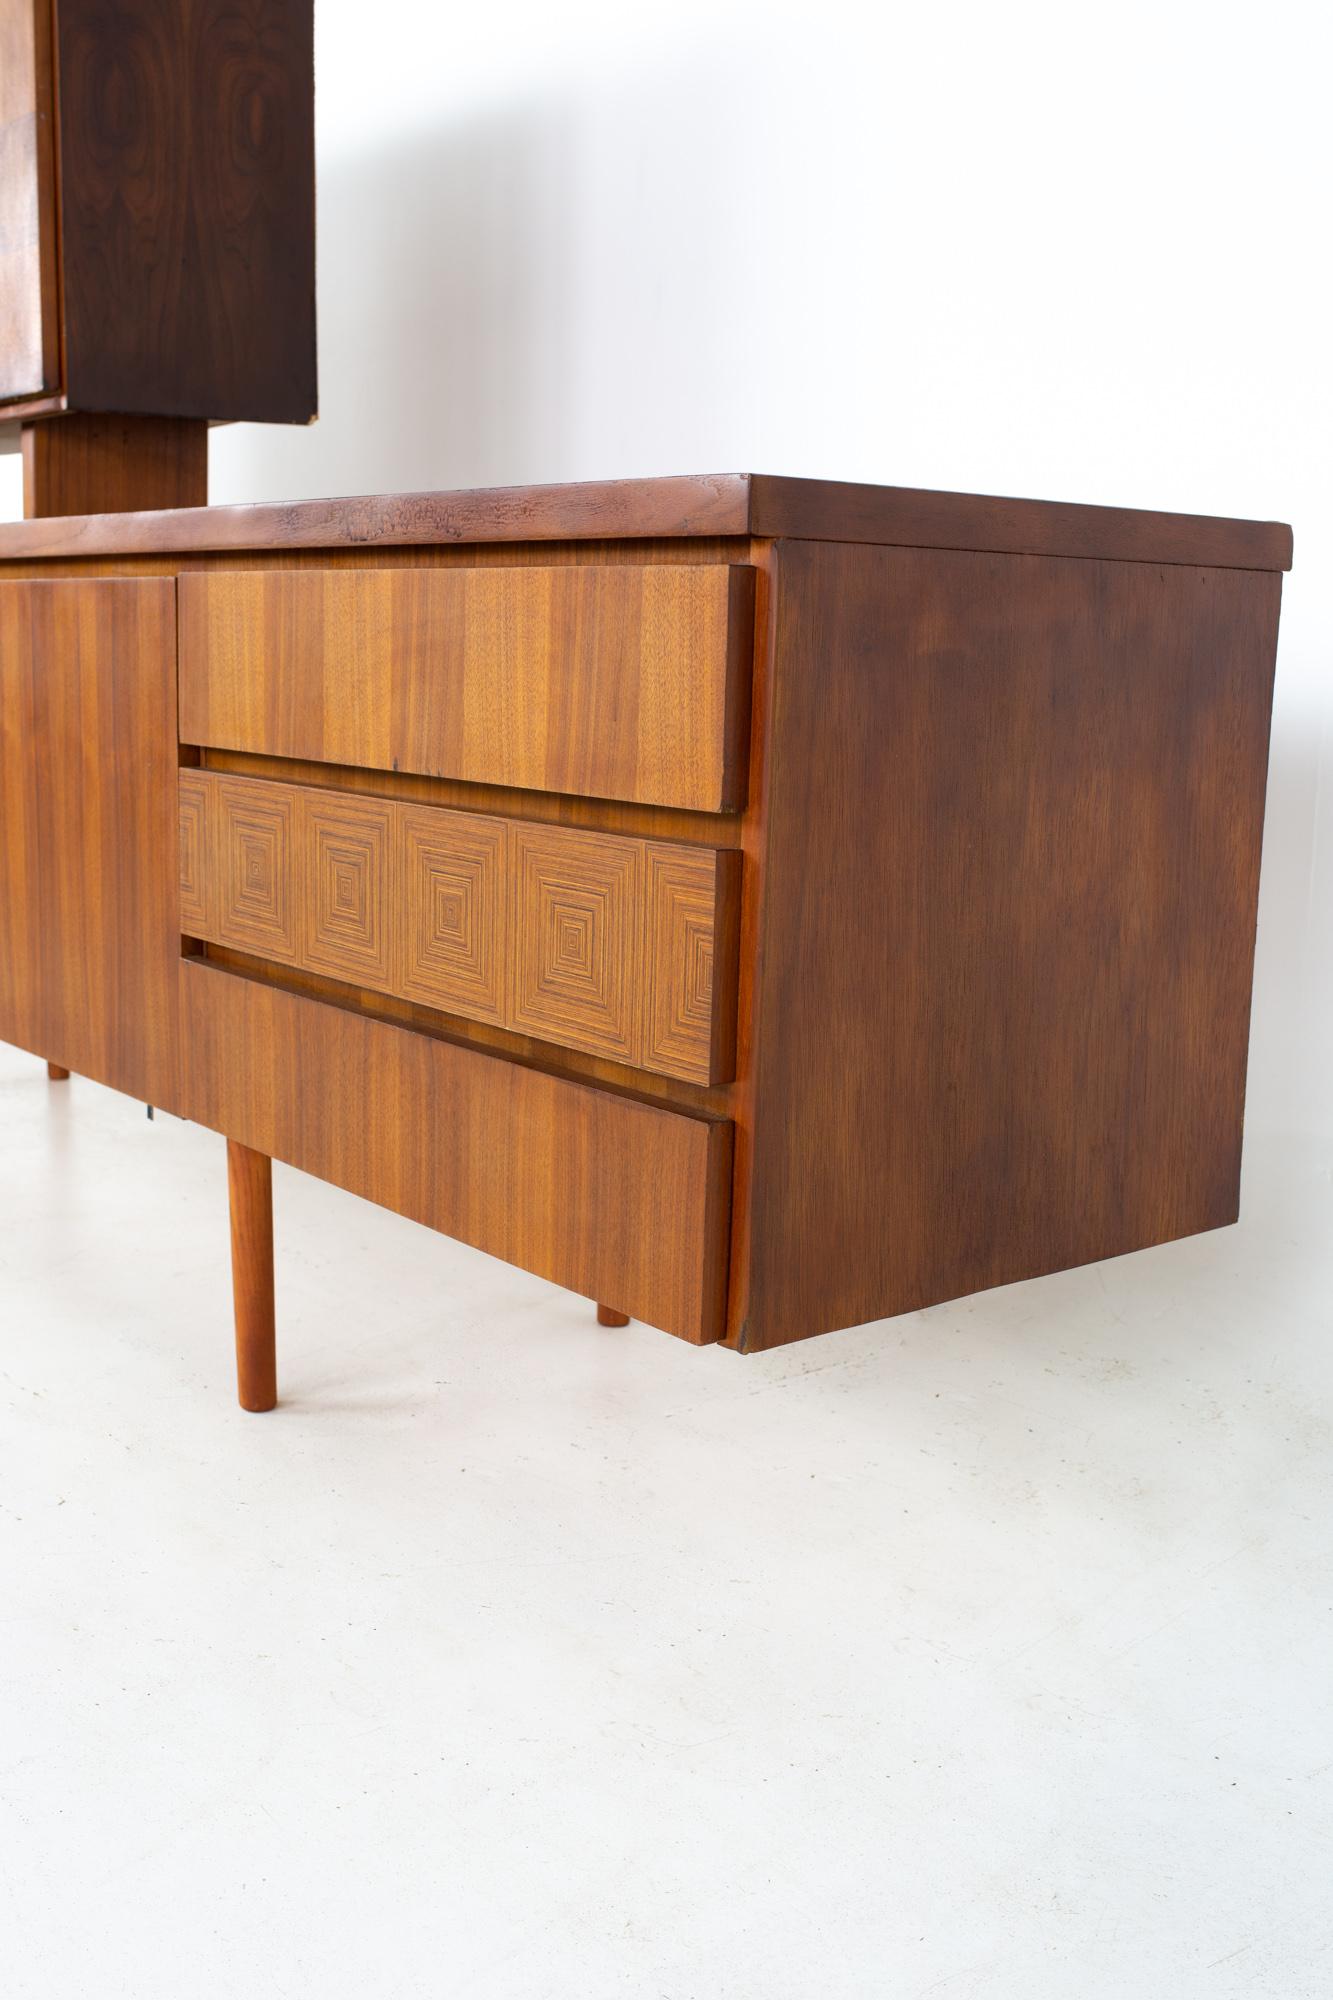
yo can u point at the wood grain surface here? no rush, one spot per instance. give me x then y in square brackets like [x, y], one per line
[625, 948]
[187, 207]
[29, 322]
[611, 681]
[835, 510]
[549, 808]
[1013, 821]
[723, 504]
[601, 1193]
[644, 509]
[114, 464]
[89, 934]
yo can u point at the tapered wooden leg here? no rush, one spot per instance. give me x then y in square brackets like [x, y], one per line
[607, 1316]
[250, 1187]
[56, 1074]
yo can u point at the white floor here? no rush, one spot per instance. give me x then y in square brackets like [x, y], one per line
[982, 1653]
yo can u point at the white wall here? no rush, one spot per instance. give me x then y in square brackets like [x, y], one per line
[1032, 249]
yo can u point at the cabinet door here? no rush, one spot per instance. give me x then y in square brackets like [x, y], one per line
[28, 330]
[89, 934]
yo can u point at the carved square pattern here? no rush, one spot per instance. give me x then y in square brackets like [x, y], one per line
[453, 913]
[578, 917]
[686, 904]
[255, 832]
[196, 870]
[346, 847]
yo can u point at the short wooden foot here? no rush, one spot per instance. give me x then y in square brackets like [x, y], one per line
[56, 1074]
[606, 1316]
[250, 1187]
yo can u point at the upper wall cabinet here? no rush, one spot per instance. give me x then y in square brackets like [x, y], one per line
[157, 208]
[29, 350]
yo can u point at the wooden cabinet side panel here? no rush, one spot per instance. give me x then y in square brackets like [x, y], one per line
[608, 1196]
[29, 320]
[1015, 810]
[610, 681]
[89, 927]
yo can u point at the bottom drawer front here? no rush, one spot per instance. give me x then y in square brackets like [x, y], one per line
[621, 1201]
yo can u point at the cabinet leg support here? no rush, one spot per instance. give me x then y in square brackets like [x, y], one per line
[607, 1316]
[250, 1188]
[56, 1074]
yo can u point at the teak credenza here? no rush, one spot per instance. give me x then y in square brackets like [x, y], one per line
[759, 905]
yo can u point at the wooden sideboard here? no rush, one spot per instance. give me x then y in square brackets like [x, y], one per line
[759, 905]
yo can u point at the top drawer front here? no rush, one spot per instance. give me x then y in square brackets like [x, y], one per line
[625, 682]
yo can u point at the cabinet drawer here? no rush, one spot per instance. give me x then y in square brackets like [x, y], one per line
[620, 1200]
[618, 946]
[622, 682]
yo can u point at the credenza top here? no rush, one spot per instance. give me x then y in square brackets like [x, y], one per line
[726, 504]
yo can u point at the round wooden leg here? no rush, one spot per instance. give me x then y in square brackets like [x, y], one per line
[606, 1316]
[250, 1186]
[56, 1074]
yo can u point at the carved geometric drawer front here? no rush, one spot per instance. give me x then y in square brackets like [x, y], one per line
[345, 895]
[453, 879]
[622, 947]
[255, 837]
[577, 925]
